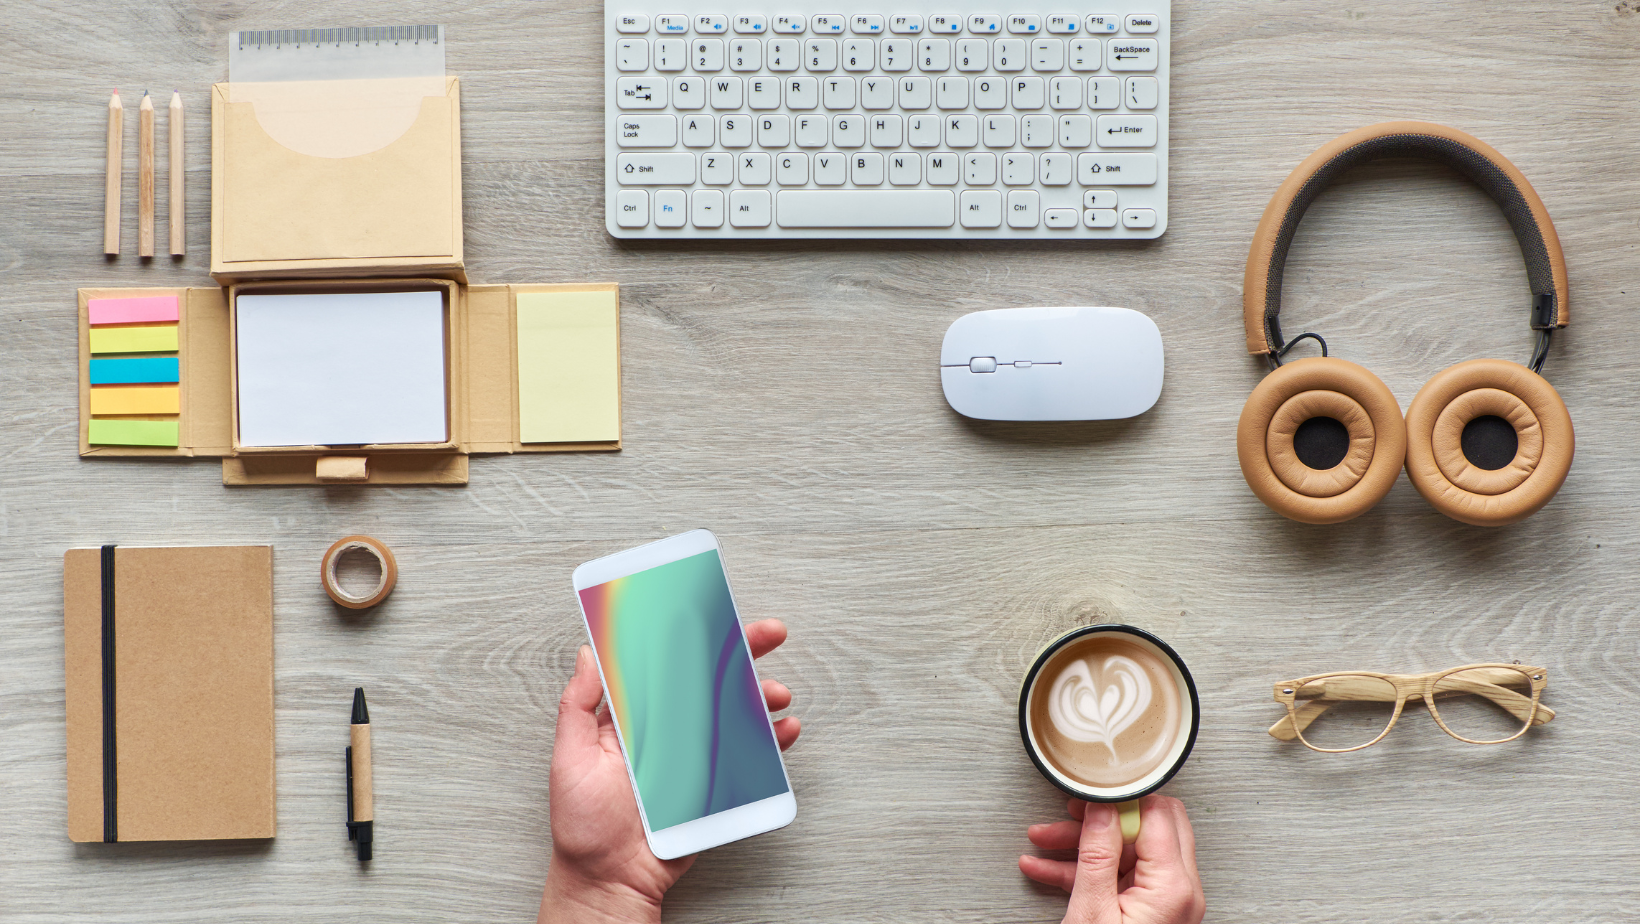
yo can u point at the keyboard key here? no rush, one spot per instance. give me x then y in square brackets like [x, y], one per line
[1060, 218]
[751, 24]
[711, 24]
[949, 24]
[990, 92]
[632, 208]
[1064, 25]
[866, 23]
[826, 24]
[848, 131]
[979, 169]
[670, 205]
[973, 54]
[762, 93]
[1047, 54]
[774, 131]
[1000, 131]
[1018, 169]
[934, 55]
[984, 23]
[1125, 131]
[1086, 54]
[672, 24]
[726, 92]
[887, 131]
[1065, 93]
[905, 25]
[1099, 199]
[981, 208]
[671, 54]
[809, 131]
[789, 25]
[1029, 92]
[1009, 55]
[632, 24]
[944, 169]
[1138, 218]
[820, 54]
[785, 54]
[1036, 131]
[717, 169]
[898, 55]
[876, 208]
[1116, 169]
[830, 169]
[904, 169]
[1132, 55]
[1055, 169]
[791, 168]
[876, 93]
[922, 131]
[859, 54]
[699, 131]
[802, 93]
[1141, 24]
[735, 131]
[866, 169]
[745, 55]
[961, 131]
[1023, 205]
[647, 131]
[951, 92]
[706, 55]
[750, 208]
[632, 55]
[1102, 25]
[915, 92]
[1104, 92]
[755, 169]
[1143, 92]
[688, 92]
[640, 93]
[1099, 218]
[1024, 23]
[708, 209]
[669, 169]
[1075, 131]
[837, 93]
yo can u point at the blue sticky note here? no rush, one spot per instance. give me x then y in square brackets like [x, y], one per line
[134, 370]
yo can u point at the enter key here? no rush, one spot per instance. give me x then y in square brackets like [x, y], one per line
[1126, 131]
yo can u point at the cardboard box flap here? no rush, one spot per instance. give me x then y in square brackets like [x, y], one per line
[492, 401]
[354, 177]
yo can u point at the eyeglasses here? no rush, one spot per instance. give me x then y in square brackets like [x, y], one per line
[1349, 710]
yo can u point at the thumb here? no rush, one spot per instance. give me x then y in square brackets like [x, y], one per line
[1098, 858]
[577, 721]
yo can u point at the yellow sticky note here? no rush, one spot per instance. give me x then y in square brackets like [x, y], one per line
[569, 367]
[161, 339]
[136, 399]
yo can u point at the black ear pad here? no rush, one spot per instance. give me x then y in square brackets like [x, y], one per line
[1456, 442]
[1291, 425]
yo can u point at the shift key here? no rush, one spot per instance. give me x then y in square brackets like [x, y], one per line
[655, 169]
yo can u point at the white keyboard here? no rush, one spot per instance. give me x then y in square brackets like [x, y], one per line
[1000, 122]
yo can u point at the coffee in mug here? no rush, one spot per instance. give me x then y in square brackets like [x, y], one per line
[1108, 713]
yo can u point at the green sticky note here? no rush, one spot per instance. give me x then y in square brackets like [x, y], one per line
[569, 367]
[107, 432]
[162, 339]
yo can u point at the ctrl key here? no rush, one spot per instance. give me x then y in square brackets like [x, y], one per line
[632, 208]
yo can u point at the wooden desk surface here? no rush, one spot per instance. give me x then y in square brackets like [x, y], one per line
[786, 397]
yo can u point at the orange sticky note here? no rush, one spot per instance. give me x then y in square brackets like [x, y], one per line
[137, 399]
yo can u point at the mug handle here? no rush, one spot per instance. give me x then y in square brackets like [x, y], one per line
[1128, 814]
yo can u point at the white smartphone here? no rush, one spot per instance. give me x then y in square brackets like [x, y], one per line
[698, 741]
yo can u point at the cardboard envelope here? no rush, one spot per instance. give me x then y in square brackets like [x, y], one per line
[328, 178]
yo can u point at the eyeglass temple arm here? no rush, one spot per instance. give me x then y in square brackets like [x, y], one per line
[1341, 689]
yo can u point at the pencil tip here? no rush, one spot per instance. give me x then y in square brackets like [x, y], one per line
[361, 714]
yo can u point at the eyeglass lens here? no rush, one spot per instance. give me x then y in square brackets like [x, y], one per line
[1485, 704]
[1344, 711]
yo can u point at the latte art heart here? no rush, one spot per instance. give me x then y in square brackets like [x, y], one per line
[1095, 702]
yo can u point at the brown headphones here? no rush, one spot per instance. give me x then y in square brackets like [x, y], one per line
[1321, 440]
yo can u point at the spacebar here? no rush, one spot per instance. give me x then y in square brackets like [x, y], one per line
[866, 208]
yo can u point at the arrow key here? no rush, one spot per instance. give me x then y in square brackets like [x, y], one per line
[1125, 131]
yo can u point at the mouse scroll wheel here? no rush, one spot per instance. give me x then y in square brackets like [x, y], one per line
[983, 364]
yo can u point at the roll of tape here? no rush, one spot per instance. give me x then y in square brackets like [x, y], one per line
[327, 572]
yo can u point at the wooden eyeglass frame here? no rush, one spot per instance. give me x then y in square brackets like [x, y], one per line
[1408, 686]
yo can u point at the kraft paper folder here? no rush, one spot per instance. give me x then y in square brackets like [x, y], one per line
[336, 178]
[168, 658]
[532, 368]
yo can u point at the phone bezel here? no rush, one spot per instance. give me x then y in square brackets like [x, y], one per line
[731, 824]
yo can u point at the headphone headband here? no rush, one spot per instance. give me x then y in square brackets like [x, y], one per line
[1545, 264]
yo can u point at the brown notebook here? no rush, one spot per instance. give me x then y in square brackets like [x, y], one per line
[169, 662]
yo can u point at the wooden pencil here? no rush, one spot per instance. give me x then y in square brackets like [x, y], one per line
[178, 166]
[116, 157]
[145, 176]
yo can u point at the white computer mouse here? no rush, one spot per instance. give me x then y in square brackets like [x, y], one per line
[1052, 364]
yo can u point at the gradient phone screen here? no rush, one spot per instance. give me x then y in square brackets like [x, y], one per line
[683, 691]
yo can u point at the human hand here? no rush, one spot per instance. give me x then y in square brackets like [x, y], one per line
[1153, 881]
[601, 868]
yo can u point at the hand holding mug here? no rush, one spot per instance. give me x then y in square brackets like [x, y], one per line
[1152, 881]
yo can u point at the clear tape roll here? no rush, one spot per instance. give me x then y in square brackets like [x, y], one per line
[333, 587]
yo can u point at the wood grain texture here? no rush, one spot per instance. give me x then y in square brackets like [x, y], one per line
[786, 396]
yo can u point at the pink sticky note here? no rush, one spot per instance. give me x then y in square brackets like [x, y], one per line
[132, 310]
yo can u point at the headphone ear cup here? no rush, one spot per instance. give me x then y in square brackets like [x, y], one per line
[1441, 443]
[1270, 446]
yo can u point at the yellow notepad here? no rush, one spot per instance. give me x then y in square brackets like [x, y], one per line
[569, 371]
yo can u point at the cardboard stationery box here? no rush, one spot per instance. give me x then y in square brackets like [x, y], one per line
[336, 179]
[486, 374]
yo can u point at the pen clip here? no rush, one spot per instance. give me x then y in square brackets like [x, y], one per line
[352, 826]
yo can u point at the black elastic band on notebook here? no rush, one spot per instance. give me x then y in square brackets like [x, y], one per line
[110, 789]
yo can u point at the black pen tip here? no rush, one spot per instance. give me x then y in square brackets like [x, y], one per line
[361, 715]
